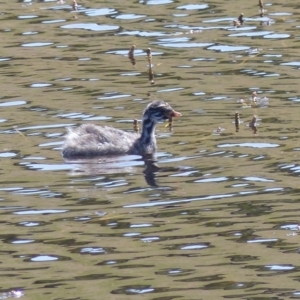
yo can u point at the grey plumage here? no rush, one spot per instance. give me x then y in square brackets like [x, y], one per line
[89, 140]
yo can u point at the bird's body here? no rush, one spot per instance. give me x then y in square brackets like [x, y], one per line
[89, 140]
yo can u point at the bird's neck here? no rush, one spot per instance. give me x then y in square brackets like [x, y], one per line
[147, 135]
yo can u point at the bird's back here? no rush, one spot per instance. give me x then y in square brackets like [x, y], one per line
[89, 140]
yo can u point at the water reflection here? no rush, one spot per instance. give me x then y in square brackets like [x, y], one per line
[216, 215]
[108, 165]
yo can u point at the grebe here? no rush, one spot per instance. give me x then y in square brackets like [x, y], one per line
[90, 141]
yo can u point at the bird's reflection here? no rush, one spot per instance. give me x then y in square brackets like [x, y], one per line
[151, 168]
[117, 165]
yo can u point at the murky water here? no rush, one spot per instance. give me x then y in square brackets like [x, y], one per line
[219, 219]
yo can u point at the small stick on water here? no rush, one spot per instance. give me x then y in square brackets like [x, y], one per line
[237, 121]
[241, 18]
[254, 98]
[261, 5]
[136, 126]
[149, 55]
[150, 70]
[131, 54]
[74, 5]
[151, 75]
[252, 124]
[19, 132]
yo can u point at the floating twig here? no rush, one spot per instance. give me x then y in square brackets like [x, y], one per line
[74, 5]
[131, 54]
[241, 19]
[252, 124]
[149, 54]
[254, 98]
[151, 75]
[136, 126]
[237, 121]
[261, 5]
[250, 57]
[150, 70]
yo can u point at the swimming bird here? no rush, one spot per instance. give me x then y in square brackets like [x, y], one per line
[90, 140]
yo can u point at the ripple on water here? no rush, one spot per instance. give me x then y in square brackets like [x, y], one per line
[251, 34]
[280, 268]
[40, 85]
[48, 167]
[179, 39]
[262, 74]
[292, 64]
[54, 21]
[175, 89]
[13, 103]
[32, 224]
[257, 179]
[295, 99]
[28, 17]
[185, 45]
[58, 7]
[30, 32]
[252, 145]
[100, 12]
[81, 116]
[22, 241]
[194, 246]
[193, 6]
[244, 28]
[40, 127]
[37, 44]
[8, 154]
[150, 239]
[44, 258]
[137, 289]
[215, 179]
[262, 240]
[157, 2]
[227, 48]
[277, 36]
[113, 95]
[137, 52]
[143, 33]
[290, 227]
[175, 272]
[93, 250]
[280, 13]
[129, 16]
[91, 26]
[225, 20]
[40, 212]
[131, 74]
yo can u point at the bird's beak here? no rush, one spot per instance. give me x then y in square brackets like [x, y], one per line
[175, 114]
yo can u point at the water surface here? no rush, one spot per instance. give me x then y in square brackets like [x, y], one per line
[219, 219]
